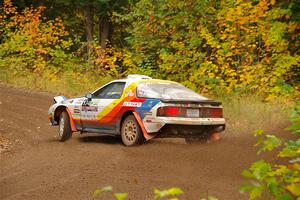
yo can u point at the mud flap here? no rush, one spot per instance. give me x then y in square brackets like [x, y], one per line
[72, 124]
[145, 133]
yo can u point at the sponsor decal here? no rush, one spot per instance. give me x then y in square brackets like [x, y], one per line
[132, 104]
[76, 110]
[88, 117]
[90, 108]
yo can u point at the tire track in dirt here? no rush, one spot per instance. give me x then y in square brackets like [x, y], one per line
[41, 167]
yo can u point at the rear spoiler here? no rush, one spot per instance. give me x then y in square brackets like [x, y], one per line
[59, 99]
[210, 102]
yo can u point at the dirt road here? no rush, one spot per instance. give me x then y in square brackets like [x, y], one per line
[38, 166]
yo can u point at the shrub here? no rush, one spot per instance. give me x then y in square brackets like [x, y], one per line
[30, 43]
[241, 46]
[279, 181]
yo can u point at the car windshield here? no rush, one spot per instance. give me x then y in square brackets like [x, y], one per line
[167, 91]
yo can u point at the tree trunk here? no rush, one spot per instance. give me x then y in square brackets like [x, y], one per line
[104, 30]
[88, 14]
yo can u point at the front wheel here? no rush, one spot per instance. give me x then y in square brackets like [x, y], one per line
[65, 131]
[131, 132]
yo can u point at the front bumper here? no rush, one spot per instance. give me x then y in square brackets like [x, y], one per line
[51, 116]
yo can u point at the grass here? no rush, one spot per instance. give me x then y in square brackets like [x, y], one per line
[68, 83]
[249, 113]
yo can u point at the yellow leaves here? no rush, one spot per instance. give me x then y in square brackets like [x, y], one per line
[41, 51]
[110, 59]
[280, 170]
[211, 75]
[231, 73]
[209, 38]
[229, 54]
[28, 30]
[177, 44]
[273, 2]
[294, 188]
[39, 67]
[292, 27]
[8, 7]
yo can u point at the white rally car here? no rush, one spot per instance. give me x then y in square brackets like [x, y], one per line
[138, 108]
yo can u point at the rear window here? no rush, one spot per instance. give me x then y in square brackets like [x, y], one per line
[172, 91]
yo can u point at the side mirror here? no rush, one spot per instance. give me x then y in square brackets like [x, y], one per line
[88, 96]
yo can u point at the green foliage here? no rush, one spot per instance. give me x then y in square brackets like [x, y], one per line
[209, 198]
[217, 45]
[170, 194]
[117, 196]
[33, 46]
[167, 193]
[97, 192]
[279, 181]
[27, 39]
[268, 143]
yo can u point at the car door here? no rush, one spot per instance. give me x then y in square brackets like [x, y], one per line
[96, 114]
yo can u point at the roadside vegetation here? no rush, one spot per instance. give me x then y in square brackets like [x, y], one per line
[244, 53]
[171, 194]
[215, 47]
[280, 178]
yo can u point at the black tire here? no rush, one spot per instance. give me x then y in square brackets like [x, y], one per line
[64, 131]
[131, 132]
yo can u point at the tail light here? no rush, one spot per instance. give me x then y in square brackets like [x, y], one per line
[212, 112]
[169, 111]
[182, 112]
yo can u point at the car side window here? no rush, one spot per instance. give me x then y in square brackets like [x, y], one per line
[111, 91]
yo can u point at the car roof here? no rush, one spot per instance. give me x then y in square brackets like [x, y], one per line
[137, 78]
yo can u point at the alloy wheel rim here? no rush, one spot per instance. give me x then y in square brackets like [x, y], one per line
[130, 131]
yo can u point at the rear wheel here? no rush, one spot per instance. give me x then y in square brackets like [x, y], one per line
[131, 132]
[64, 132]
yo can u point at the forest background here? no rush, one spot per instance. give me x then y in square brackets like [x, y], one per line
[217, 47]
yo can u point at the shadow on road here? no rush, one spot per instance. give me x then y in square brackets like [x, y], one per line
[104, 139]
